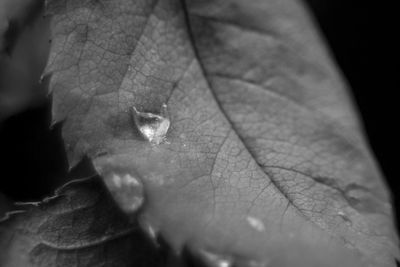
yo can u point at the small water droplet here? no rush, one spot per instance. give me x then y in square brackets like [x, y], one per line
[216, 260]
[153, 127]
[256, 223]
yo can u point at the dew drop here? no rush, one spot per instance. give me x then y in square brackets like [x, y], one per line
[153, 127]
[256, 223]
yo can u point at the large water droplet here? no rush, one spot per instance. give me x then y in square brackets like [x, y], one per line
[153, 127]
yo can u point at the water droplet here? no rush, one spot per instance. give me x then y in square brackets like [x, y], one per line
[153, 127]
[256, 223]
[216, 260]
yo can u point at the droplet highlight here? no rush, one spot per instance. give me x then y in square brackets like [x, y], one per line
[153, 127]
[149, 229]
[256, 223]
[216, 260]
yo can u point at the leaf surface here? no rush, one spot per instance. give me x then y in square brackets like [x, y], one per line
[79, 226]
[263, 146]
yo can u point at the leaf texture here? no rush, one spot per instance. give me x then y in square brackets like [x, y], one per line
[79, 226]
[261, 124]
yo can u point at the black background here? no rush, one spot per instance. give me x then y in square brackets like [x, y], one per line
[362, 36]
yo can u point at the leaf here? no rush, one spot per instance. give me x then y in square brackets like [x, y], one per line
[263, 150]
[79, 226]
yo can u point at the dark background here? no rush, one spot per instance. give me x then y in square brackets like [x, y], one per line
[362, 37]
